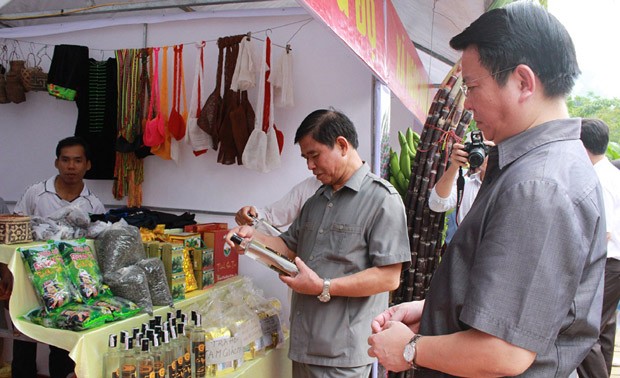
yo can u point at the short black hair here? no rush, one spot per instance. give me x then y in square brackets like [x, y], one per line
[325, 126]
[70, 142]
[523, 33]
[594, 135]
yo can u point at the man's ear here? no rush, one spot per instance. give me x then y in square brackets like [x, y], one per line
[527, 83]
[56, 163]
[343, 145]
[88, 165]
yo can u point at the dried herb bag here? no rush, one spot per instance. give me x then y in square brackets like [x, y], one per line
[82, 268]
[48, 276]
[131, 283]
[157, 281]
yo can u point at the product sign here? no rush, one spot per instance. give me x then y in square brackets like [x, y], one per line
[223, 350]
[373, 30]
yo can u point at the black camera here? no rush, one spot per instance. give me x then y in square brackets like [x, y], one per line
[476, 149]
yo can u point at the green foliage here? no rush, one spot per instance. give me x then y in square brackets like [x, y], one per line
[606, 109]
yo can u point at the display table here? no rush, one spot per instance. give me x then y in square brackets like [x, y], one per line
[86, 348]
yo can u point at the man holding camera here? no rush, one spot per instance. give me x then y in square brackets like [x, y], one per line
[448, 193]
[519, 289]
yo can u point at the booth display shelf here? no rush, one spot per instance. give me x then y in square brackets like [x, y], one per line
[87, 348]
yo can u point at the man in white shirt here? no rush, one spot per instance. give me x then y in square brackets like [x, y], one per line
[282, 212]
[67, 188]
[595, 137]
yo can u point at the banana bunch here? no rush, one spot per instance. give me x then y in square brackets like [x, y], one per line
[400, 164]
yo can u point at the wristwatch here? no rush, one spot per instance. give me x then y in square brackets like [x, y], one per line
[409, 352]
[324, 296]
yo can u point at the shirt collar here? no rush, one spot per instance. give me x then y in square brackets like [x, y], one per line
[354, 182]
[516, 146]
[50, 187]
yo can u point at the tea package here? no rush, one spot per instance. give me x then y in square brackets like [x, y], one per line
[82, 268]
[48, 276]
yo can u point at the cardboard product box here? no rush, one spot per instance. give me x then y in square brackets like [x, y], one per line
[202, 258]
[177, 286]
[225, 261]
[153, 249]
[205, 278]
[202, 227]
[188, 239]
[172, 257]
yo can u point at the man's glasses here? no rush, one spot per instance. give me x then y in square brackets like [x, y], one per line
[465, 88]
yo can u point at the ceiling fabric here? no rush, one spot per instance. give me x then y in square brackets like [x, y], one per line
[430, 24]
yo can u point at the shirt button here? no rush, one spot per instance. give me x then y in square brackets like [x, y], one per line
[298, 312]
[340, 227]
[330, 205]
[311, 258]
[320, 231]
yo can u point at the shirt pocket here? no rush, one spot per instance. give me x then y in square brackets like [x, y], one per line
[346, 238]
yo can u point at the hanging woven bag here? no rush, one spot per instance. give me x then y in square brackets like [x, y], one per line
[152, 136]
[3, 97]
[14, 86]
[176, 121]
[33, 77]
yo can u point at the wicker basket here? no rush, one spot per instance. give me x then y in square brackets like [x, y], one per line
[15, 229]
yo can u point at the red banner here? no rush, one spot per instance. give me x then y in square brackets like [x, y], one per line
[361, 25]
[406, 75]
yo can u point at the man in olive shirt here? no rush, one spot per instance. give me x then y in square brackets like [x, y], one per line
[519, 289]
[350, 240]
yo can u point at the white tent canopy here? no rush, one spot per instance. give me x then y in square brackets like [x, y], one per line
[429, 23]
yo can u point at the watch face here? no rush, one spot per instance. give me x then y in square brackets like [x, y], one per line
[409, 352]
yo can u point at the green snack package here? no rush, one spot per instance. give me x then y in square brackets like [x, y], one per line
[79, 316]
[48, 276]
[41, 317]
[120, 308]
[82, 268]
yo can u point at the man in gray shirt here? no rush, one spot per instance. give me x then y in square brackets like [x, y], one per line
[519, 290]
[349, 243]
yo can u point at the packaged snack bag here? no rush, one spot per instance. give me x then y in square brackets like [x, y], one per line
[48, 276]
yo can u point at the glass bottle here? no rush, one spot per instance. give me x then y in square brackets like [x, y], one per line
[128, 360]
[111, 359]
[144, 361]
[185, 347]
[198, 349]
[266, 256]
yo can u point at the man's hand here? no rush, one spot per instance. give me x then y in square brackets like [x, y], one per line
[409, 313]
[306, 281]
[458, 156]
[245, 232]
[245, 215]
[388, 345]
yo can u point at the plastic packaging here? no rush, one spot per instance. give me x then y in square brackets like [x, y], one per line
[131, 283]
[157, 282]
[118, 247]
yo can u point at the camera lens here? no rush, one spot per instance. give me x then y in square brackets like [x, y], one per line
[476, 157]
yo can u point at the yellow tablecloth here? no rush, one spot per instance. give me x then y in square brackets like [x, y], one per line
[86, 348]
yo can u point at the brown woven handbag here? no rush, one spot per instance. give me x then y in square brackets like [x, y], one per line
[34, 79]
[3, 98]
[14, 86]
